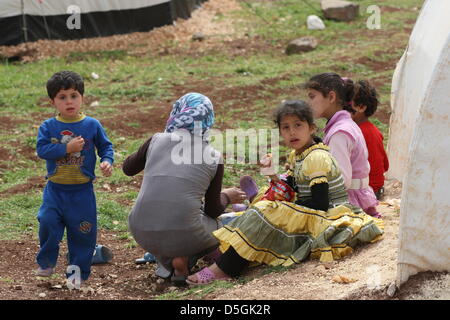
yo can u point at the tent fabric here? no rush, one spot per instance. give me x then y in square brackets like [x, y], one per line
[10, 8]
[411, 79]
[183, 8]
[419, 144]
[31, 20]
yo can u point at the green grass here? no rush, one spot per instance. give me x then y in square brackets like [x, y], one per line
[197, 292]
[18, 215]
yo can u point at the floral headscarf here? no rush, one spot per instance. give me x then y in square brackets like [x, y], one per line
[190, 108]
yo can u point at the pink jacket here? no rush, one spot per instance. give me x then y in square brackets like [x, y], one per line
[342, 122]
[348, 146]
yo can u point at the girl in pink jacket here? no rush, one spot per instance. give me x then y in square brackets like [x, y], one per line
[330, 97]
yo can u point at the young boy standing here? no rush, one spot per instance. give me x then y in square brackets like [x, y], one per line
[67, 142]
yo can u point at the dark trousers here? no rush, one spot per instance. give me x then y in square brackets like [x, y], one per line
[232, 263]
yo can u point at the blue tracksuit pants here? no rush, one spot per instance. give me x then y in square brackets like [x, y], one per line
[70, 207]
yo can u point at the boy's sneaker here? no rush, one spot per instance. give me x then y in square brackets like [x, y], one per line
[45, 272]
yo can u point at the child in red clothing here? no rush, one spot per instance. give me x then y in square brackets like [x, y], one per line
[364, 104]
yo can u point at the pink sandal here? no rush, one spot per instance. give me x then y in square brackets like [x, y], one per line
[205, 276]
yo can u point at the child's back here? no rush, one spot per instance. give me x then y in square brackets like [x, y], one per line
[170, 199]
[365, 104]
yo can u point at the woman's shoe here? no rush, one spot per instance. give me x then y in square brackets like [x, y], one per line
[205, 276]
[148, 258]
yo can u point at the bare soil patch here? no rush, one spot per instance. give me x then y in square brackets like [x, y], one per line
[5, 155]
[136, 121]
[9, 124]
[25, 150]
[32, 183]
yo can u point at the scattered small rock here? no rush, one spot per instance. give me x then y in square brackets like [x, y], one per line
[18, 287]
[320, 268]
[42, 295]
[198, 36]
[303, 44]
[87, 290]
[340, 10]
[343, 279]
[95, 76]
[327, 265]
[391, 290]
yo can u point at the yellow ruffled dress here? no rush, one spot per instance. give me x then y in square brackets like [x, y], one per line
[284, 233]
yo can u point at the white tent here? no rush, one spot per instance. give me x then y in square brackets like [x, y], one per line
[31, 20]
[419, 143]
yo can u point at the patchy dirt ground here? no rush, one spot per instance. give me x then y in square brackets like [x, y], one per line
[369, 271]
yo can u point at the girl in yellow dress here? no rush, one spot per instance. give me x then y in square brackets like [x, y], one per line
[321, 223]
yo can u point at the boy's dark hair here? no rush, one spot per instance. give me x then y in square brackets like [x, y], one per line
[64, 80]
[298, 108]
[329, 81]
[366, 95]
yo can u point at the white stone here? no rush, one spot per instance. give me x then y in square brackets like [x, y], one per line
[315, 23]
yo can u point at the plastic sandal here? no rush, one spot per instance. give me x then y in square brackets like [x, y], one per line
[102, 254]
[249, 186]
[148, 258]
[205, 276]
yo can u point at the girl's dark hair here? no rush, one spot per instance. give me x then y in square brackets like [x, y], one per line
[327, 82]
[64, 80]
[366, 95]
[298, 108]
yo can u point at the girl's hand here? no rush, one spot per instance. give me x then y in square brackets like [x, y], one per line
[267, 168]
[266, 160]
[235, 195]
[75, 145]
[106, 168]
